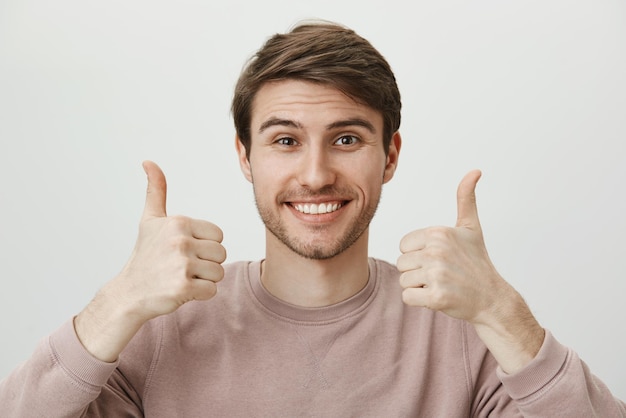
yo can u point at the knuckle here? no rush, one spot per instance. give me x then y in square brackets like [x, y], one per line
[438, 300]
[179, 222]
[439, 233]
[438, 273]
[181, 244]
[436, 252]
[186, 269]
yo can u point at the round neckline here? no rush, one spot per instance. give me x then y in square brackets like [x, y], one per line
[313, 316]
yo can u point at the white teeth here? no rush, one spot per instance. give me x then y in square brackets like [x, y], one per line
[315, 209]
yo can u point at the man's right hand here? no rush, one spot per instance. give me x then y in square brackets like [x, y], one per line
[175, 260]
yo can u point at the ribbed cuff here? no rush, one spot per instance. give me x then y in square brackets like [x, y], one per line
[72, 356]
[548, 363]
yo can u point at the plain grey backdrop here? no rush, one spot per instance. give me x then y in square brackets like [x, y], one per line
[531, 92]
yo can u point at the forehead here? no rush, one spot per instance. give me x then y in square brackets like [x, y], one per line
[308, 104]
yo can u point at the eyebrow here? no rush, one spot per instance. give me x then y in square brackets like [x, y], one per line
[279, 122]
[352, 122]
[338, 124]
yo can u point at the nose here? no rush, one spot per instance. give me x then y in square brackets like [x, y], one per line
[316, 169]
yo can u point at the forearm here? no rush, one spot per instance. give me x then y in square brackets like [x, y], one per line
[510, 331]
[106, 325]
[541, 375]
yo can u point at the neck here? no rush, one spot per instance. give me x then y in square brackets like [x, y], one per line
[314, 283]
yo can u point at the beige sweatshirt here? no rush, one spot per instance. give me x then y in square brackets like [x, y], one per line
[245, 353]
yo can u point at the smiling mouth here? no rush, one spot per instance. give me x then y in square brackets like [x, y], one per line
[317, 208]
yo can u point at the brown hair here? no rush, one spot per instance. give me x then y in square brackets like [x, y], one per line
[324, 53]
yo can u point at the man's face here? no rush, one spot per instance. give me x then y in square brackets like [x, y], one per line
[317, 165]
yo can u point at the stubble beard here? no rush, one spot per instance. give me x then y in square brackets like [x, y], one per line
[311, 249]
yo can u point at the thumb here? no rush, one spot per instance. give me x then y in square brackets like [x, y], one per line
[156, 194]
[467, 212]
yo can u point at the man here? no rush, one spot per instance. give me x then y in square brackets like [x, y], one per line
[317, 328]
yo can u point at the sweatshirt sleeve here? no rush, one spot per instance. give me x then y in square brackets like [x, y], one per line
[558, 383]
[62, 379]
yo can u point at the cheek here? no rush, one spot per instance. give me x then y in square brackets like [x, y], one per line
[267, 179]
[372, 170]
[273, 168]
[368, 178]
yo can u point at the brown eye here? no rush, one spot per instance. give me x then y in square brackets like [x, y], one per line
[286, 141]
[346, 140]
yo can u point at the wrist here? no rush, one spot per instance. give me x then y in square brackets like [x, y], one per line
[106, 325]
[511, 332]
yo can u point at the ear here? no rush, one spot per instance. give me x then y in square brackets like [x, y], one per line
[392, 157]
[244, 163]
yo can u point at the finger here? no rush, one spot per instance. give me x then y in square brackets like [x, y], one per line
[413, 278]
[210, 251]
[409, 261]
[413, 241]
[467, 212]
[156, 194]
[416, 296]
[206, 230]
[206, 270]
[202, 289]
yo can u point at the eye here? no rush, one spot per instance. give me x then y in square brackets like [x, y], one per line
[287, 141]
[346, 140]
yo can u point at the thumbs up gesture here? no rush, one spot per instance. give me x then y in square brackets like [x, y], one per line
[449, 270]
[175, 260]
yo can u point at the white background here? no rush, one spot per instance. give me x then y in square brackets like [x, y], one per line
[532, 92]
